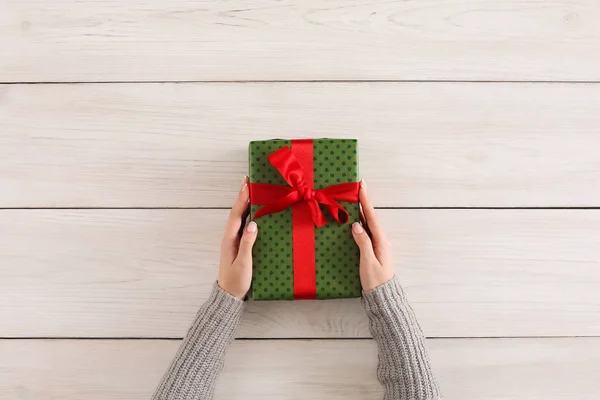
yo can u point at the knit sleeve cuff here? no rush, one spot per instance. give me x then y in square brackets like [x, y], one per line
[224, 302]
[384, 296]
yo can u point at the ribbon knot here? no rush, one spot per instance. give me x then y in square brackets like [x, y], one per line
[307, 193]
[275, 198]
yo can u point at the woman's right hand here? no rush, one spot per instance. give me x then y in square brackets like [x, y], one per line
[375, 254]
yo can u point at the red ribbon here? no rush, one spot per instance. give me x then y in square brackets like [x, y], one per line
[296, 166]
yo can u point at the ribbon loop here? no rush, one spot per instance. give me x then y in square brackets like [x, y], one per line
[276, 198]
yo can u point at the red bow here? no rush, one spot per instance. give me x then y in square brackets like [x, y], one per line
[277, 198]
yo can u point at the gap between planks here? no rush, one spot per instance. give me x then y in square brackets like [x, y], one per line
[377, 208]
[576, 82]
[257, 339]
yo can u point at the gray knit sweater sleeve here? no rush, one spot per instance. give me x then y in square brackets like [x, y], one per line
[194, 370]
[404, 369]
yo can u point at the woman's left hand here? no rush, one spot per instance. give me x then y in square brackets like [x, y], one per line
[235, 268]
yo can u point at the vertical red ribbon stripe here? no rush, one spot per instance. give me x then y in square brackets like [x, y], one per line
[303, 229]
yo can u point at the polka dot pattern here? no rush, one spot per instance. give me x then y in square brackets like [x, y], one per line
[337, 257]
[273, 274]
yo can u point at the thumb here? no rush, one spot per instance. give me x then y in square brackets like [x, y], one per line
[363, 240]
[247, 241]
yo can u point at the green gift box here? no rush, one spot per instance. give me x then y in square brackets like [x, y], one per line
[304, 198]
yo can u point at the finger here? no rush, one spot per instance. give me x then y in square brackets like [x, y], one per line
[370, 215]
[363, 221]
[246, 243]
[240, 206]
[231, 235]
[363, 241]
[244, 219]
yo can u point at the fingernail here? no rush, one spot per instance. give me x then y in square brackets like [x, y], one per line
[252, 227]
[357, 228]
[363, 184]
[244, 182]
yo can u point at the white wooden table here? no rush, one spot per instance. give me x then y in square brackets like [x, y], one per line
[123, 137]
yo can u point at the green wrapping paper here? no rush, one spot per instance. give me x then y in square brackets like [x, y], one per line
[336, 254]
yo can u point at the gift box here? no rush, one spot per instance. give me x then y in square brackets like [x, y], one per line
[304, 198]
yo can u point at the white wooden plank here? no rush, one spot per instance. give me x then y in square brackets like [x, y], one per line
[477, 369]
[144, 273]
[111, 40]
[440, 144]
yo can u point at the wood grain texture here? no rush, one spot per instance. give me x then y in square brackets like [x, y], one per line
[185, 145]
[468, 369]
[140, 40]
[144, 273]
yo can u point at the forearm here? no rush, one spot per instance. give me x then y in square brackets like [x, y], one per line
[194, 370]
[404, 368]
